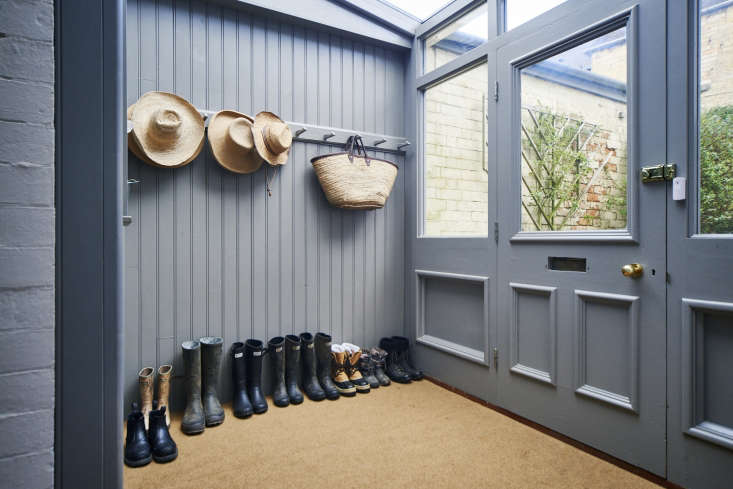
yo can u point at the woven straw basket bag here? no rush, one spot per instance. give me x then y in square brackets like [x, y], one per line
[353, 180]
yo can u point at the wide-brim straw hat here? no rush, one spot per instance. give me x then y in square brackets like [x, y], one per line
[272, 138]
[167, 131]
[132, 144]
[232, 141]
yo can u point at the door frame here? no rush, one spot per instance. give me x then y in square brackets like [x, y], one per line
[90, 150]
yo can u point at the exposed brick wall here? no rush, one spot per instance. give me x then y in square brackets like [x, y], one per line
[26, 243]
[716, 50]
[456, 198]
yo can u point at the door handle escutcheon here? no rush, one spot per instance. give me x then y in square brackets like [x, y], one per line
[632, 270]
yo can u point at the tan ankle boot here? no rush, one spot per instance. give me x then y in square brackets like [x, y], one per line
[338, 372]
[145, 379]
[164, 389]
[353, 353]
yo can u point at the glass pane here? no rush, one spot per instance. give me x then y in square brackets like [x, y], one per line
[456, 178]
[456, 38]
[520, 11]
[573, 138]
[716, 116]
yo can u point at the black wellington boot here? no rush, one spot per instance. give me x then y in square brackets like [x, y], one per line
[241, 405]
[275, 348]
[292, 365]
[394, 370]
[323, 357]
[211, 347]
[137, 448]
[254, 350]
[310, 380]
[161, 444]
[404, 358]
[193, 416]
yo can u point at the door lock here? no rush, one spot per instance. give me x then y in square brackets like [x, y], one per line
[658, 173]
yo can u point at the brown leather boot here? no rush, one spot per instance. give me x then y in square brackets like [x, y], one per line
[145, 381]
[164, 390]
[353, 353]
[338, 372]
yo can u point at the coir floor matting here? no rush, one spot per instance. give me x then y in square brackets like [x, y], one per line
[419, 435]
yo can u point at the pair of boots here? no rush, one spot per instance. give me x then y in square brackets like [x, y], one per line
[399, 367]
[247, 378]
[344, 369]
[145, 382]
[202, 401]
[371, 366]
[285, 358]
[156, 444]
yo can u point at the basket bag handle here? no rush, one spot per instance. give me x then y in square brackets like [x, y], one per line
[356, 140]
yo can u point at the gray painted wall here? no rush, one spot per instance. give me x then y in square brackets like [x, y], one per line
[26, 243]
[208, 253]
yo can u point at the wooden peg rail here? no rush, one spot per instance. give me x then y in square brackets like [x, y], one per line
[309, 133]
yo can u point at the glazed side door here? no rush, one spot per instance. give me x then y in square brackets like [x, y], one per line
[581, 109]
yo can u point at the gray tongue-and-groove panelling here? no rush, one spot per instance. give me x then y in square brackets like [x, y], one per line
[208, 252]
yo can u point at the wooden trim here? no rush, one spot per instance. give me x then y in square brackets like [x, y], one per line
[645, 474]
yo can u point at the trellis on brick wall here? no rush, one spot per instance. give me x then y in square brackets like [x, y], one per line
[584, 130]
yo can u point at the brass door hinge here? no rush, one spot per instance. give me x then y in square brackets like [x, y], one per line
[658, 173]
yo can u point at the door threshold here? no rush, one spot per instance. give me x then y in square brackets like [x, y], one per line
[643, 473]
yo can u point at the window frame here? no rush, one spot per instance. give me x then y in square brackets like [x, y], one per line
[423, 81]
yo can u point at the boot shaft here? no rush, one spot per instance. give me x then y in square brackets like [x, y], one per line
[192, 368]
[253, 353]
[239, 365]
[211, 348]
[164, 388]
[276, 351]
[323, 353]
[308, 354]
[292, 357]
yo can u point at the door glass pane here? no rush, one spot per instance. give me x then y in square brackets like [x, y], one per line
[520, 11]
[460, 36]
[716, 116]
[456, 176]
[573, 138]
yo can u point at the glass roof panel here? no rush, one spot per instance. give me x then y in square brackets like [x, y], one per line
[422, 9]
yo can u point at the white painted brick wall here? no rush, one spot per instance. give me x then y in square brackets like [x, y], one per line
[26, 243]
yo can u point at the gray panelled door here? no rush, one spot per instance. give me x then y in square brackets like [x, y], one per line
[582, 346]
[700, 245]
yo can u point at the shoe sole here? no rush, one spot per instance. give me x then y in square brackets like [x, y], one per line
[138, 463]
[214, 422]
[167, 458]
[400, 381]
[347, 392]
[195, 430]
[362, 388]
[243, 415]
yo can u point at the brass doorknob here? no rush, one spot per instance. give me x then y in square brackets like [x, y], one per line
[632, 270]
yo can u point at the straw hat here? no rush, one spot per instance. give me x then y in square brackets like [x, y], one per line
[167, 131]
[231, 140]
[272, 138]
[131, 144]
